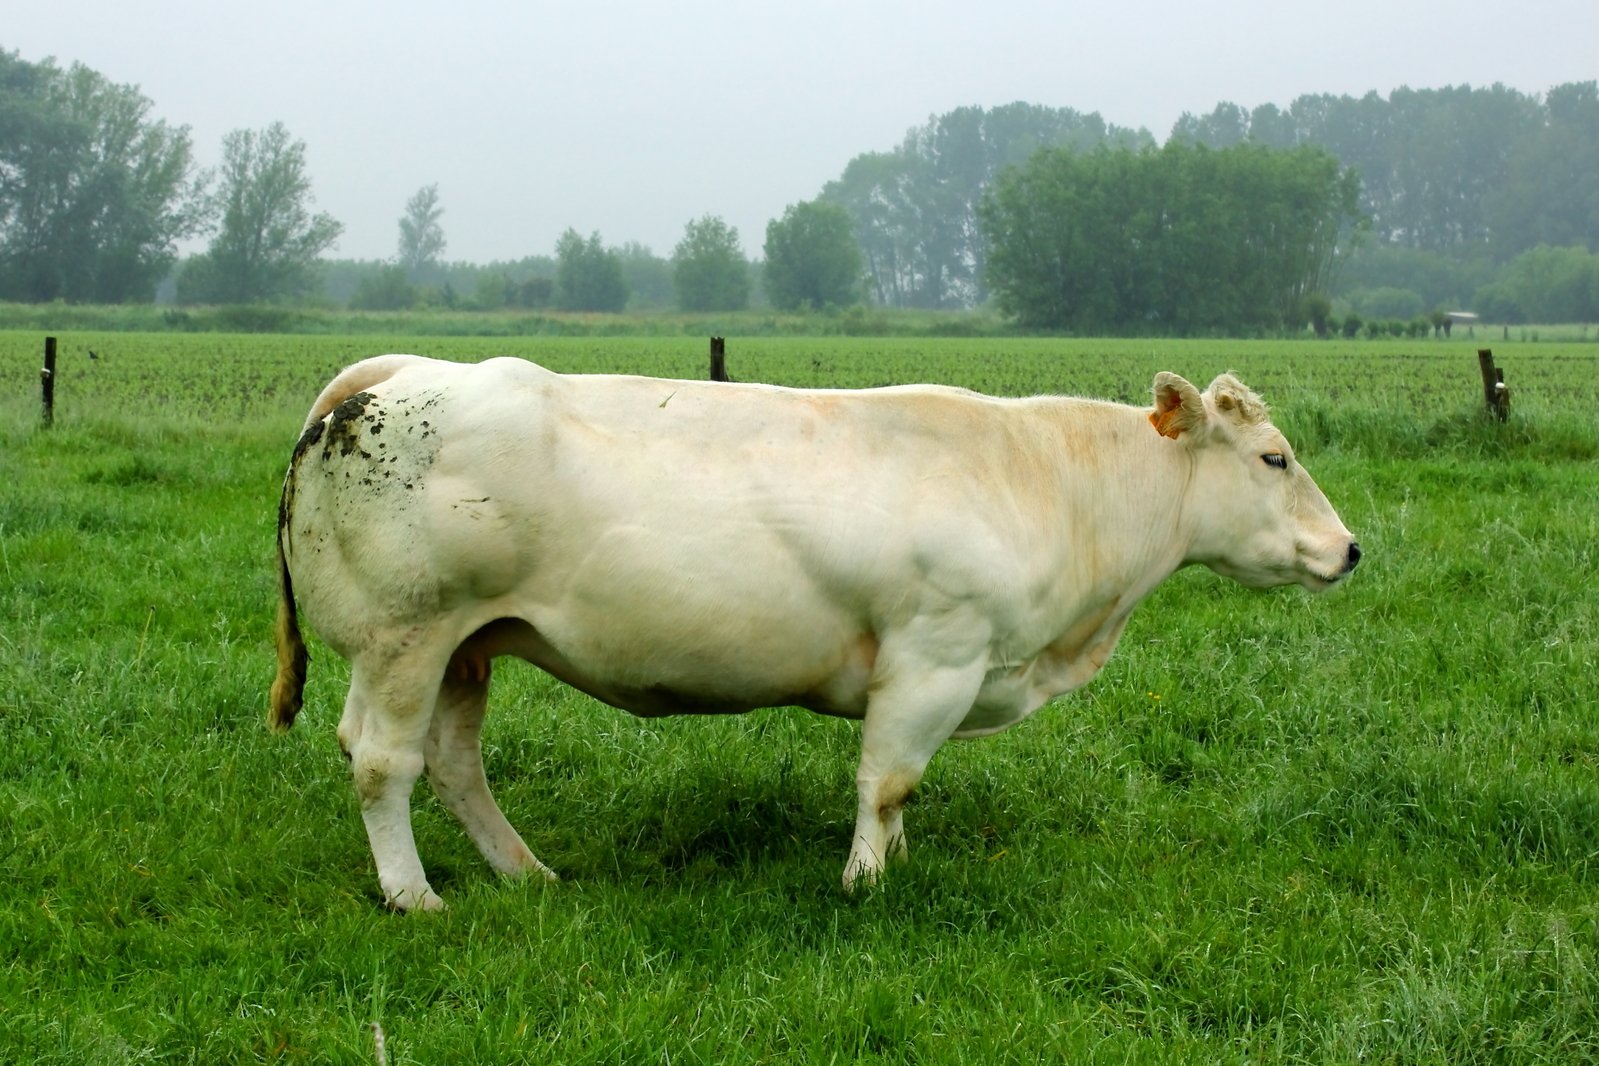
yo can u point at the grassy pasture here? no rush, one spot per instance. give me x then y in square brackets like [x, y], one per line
[1363, 826]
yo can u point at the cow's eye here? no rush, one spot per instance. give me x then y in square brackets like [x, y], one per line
[1276, 459]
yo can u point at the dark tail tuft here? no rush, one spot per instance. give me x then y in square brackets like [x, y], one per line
[288, 688]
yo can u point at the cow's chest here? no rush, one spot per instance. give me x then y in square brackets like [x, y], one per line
[1012, 691]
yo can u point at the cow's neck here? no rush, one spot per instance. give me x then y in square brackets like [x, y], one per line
[1123, 497]
[1120, 533]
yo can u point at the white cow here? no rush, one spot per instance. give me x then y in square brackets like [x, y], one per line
[928, 560]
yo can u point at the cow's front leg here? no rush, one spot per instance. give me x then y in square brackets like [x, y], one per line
[385, 723]
[907, 719]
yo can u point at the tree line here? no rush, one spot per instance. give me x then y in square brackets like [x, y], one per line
[95, 195]
[811, 262]
[1247, 220]
[1455, 187]
[1174, 240]
[94, 192]
[916, 207]
[1476, 197]
[1458, 171]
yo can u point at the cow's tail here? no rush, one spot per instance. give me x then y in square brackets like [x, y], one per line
[288, 688]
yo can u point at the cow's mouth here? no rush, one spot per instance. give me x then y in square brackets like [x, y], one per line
[1321, 582]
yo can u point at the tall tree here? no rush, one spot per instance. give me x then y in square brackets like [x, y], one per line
[588, 276]
[872, 190]
[1433, 163]
[708, 268]
[812, 260]
[1551, 195]
[1178, 240]
[421, 235]
[1226, 125]
[915, 209]
[648, 278]
[94, 194]
[269, 241]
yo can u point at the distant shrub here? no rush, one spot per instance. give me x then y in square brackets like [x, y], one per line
[858, 321]
[1387, 302]
[1545, 284]
[1315, 309]
[385, 289]
[254, 318]
[1496, 303]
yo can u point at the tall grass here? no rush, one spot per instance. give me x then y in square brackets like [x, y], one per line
[1360, 827]
[854, 321]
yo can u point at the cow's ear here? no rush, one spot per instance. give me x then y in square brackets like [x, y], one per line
[1178, 406]
[1237, 401]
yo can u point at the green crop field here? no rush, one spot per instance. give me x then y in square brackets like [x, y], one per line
[1278, 828]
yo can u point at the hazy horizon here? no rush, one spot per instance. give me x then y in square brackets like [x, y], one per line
[632, 119]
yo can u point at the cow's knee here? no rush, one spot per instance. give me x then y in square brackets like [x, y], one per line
[379, 772]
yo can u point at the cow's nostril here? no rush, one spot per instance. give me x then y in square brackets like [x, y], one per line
[1354, 556]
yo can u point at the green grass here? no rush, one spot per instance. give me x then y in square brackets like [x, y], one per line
[1360, 827]
[440, 323]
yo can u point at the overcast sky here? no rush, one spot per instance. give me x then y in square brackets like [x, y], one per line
[634, 118]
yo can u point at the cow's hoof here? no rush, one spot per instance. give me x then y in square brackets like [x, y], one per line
[858, 877]
[533, 870]
[411, 902]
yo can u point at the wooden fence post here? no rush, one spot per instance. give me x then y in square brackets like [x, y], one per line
[47, 383]
[719, 360]
[1495, 394]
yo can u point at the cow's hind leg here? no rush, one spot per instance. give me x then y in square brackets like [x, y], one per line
[383, 732]
[454, 756]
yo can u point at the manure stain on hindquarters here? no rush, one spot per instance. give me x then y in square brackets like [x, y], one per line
[342, 431]
[354, 425]
[339, 430]
[307, 441]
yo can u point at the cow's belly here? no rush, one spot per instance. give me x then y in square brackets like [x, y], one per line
[691, 617]
[695, 612]
[658, 679]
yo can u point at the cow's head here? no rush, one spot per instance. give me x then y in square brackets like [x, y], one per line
[1256, 515]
